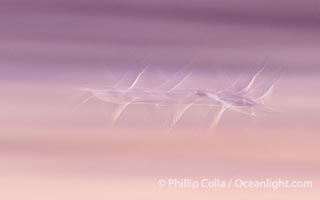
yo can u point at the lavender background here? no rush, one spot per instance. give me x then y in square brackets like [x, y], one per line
[50, 150]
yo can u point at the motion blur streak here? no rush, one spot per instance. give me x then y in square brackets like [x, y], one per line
[51, 148]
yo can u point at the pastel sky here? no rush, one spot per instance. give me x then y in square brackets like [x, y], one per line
[52, 148]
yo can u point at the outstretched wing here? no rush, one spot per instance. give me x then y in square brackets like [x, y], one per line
[177, 115]
[245, 81]
[119, 109]
[176, 80]
[265, 84]
[213, 117]
[132, 77]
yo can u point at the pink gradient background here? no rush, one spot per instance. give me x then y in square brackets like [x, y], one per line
[51, 149]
